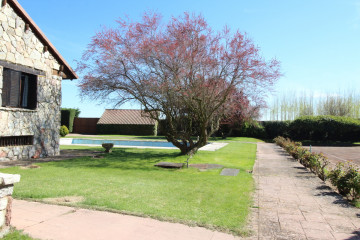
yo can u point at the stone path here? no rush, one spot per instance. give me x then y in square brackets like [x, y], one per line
[295, 204]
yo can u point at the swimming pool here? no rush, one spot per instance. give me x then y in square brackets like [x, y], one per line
[134, 144]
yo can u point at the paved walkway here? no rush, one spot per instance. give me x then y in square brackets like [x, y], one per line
[292, 204]
[295, 204]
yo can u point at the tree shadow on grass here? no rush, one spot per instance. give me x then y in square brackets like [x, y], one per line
[125, 159]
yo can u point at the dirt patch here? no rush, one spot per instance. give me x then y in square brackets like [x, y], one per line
[66, 199]
[32, 166]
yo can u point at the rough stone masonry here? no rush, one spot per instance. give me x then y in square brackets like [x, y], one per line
[6, 188]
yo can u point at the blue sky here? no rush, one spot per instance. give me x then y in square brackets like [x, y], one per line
[316, 41]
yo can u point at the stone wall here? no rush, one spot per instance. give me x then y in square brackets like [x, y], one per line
[22, 47]
[6, 189]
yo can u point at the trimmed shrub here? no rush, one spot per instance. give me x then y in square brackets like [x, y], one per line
[64, 131]
[325, 128]
[346, 178]
[129, 129]
[67, 117]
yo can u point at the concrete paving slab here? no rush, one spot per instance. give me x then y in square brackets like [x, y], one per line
[229, 172]
[46, 221]
[206, 166]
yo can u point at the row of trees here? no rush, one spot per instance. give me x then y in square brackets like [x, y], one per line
[293, 105]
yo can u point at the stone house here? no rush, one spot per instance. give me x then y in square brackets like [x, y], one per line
[31, 71]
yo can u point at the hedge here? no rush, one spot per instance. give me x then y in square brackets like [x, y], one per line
[253, 129]
[325, 128]
[313, 128]
[128, 129]
[67, 117]
[275, 128]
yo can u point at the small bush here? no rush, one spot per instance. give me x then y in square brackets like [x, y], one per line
[64, 131]
[346, 178]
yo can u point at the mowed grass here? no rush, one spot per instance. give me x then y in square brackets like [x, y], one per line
[127, 181]
[17, 235]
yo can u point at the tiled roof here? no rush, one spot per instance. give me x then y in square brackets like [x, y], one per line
[125, 116]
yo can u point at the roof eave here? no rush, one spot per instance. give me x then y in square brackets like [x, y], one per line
[67, 72]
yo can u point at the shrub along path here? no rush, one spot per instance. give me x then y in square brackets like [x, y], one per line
[295, 204]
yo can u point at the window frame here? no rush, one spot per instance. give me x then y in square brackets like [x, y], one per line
[22, 73]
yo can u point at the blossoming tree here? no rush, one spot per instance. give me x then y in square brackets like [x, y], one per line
[182, 72]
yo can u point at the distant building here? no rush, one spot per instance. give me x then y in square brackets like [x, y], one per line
[31, 71]
[126, 122]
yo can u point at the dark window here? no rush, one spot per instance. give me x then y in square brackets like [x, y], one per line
[16, 141]
[19, 89]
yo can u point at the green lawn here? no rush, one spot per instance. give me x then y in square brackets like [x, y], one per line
[17, 235]
[238, 139]
[126, 181]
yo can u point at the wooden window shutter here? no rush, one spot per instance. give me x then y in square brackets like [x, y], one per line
[19, 89]
[15, 88]
[5, 96]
